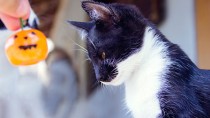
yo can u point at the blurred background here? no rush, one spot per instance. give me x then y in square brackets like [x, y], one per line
[64, 85]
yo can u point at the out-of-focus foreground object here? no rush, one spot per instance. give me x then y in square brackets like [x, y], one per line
[26, 47]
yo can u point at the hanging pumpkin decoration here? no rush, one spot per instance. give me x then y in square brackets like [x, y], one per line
[26, 47]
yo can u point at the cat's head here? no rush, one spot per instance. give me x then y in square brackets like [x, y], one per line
[114, 33]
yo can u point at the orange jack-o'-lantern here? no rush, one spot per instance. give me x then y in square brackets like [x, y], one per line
[26, 47]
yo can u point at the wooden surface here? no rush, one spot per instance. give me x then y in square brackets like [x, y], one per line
[46, 11]
[203, 32]
[66, 37]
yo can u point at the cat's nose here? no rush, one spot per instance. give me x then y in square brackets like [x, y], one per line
[103, 72]
[102, 78]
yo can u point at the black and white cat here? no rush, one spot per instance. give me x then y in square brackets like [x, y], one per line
[160, 80]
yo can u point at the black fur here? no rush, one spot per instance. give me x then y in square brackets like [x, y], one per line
[187, 92]
[118, 30]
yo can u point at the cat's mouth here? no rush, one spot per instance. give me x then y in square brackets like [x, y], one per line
[109, 78]
[106, 79]
[115, 81]
[106, 72]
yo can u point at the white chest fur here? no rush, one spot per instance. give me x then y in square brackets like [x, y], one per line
[142, 74]
[141, 96]
[142, 89]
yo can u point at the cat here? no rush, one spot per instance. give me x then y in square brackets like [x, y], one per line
[160, 80]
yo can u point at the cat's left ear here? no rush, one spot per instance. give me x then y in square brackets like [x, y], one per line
[86, 26]
[98, 11]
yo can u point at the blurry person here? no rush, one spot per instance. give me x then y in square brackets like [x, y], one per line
[12, 10]
[19, 86]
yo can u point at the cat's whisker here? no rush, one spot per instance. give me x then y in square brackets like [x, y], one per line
[81, 50]
[93, 44]
[115, 69]
[109, 77]
[115, 74]
[128, 112]
[87, 59]
[86, 54]
[103, 86]
[119, 60]
[79, 45]
[108, 89]
[113, 60]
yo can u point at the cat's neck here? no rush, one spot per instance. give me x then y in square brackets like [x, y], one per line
[146, 68]
[150, 60]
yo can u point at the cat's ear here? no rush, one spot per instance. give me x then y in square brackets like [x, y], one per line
[86, 26]
[97, 11]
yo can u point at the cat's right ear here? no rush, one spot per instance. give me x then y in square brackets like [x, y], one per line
[86, 26]
[99, 11]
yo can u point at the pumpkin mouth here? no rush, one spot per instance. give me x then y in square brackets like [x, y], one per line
[25, 47]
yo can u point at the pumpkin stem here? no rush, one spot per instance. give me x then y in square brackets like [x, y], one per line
[21, 23]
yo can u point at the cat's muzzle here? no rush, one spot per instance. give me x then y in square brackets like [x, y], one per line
[105, 73]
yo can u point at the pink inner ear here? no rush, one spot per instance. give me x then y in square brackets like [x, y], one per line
[97, 11]
[100, 8]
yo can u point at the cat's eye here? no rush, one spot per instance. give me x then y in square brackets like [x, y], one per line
[103, 55]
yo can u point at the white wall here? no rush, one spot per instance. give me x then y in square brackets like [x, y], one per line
[179, 25]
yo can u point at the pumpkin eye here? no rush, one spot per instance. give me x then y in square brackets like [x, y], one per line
[103, 55]
[15, 36]
[33, 33]
[25, 37]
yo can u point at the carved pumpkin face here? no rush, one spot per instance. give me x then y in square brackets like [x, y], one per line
[26, 47]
